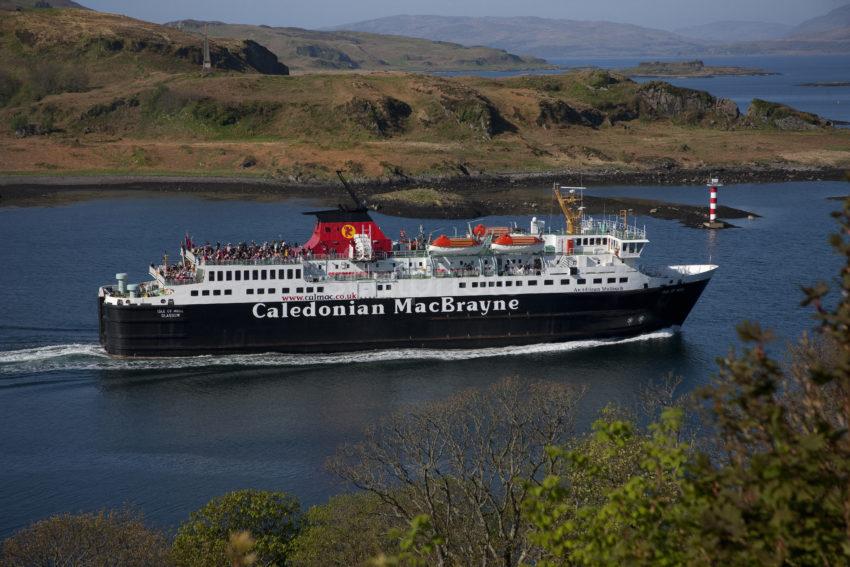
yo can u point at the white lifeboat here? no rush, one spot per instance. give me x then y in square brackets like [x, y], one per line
[516, 244]
[454, 246]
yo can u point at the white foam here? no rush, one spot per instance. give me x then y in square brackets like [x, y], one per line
[83, 356]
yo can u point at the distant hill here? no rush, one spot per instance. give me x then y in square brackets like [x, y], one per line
[27, 4]
[734, 31]
[835, 25]
[540, 37]
[829, 33]
[307, 50]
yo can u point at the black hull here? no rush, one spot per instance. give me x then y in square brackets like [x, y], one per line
[233, 328]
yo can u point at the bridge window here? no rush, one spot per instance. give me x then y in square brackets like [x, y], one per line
[229, 275]
[263, 274]
[255, 274]
[281, 274]
[212, 276]
[271, 274]
[289, 274]
[246, 273]
[298, 273]
[238, 275]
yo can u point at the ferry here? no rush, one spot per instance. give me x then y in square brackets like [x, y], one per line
[352, 288]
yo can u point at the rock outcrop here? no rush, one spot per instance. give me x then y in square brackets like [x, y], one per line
[383, 117]
[774, 115]
[657, 99]
[556, 113]
[474, 110]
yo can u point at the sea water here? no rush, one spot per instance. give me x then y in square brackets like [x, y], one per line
[82, 431]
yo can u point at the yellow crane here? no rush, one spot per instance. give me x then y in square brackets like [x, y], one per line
[569, 199]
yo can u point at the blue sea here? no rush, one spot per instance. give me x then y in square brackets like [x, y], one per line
[82, 431]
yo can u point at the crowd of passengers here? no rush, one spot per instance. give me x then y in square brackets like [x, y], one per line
[176, 272]
[246, 251]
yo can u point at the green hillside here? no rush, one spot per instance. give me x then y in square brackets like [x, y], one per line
[49, 52]
[82, 91]
[307, 50]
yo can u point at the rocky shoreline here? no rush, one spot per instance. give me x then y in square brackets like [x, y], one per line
[481, 194]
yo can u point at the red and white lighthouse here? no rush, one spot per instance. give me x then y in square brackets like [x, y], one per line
[713, 184]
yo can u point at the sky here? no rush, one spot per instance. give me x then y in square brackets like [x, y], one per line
[663, 14]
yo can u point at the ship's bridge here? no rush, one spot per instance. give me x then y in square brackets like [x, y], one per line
[608, 236]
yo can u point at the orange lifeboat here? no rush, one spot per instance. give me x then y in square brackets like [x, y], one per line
[516, 244]
[447, 245]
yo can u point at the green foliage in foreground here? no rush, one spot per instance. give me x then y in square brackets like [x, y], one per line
[272, 519]
[92, 540]
[346, 532]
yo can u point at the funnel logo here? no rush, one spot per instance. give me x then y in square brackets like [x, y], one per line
[348, 231]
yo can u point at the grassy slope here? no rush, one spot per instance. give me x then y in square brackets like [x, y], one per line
[307, 50]
[147, 113]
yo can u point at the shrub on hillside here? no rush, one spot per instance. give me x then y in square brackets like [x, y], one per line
[348, 531]
[9, 87]
[272, 519]
[87, 540]
[50, 77]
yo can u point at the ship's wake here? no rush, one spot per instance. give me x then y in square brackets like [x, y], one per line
[90, 356]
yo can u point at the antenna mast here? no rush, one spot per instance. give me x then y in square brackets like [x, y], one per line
[570, 204]
[207, 59]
